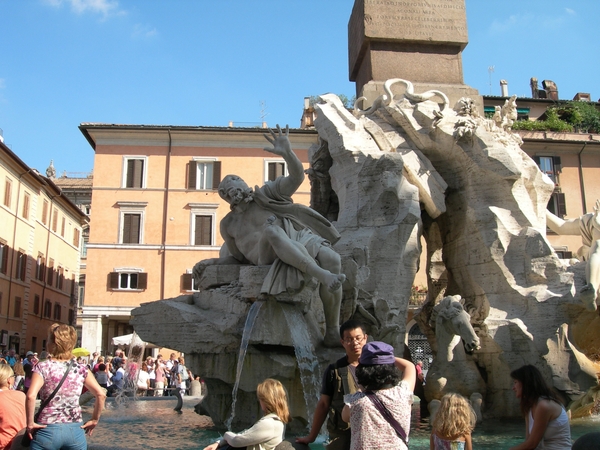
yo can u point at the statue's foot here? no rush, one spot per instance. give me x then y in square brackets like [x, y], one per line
[588, 297]
[332, 339]
[335, 281]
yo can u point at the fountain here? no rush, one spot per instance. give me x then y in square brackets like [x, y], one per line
[411, 161]
[252, 314]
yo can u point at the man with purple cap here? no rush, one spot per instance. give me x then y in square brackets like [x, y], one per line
[339, 379]
[379, 415]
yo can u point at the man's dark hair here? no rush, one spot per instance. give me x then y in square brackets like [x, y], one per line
[352, 325]
[101, 367]
[378, 376]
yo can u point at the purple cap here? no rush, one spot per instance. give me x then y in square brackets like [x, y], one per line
[377, 353]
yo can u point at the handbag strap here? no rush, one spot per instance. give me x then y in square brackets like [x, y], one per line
[387, 416]
[49, 399]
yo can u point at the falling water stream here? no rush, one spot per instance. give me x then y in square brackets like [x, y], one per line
[250, 319]
[305, 357]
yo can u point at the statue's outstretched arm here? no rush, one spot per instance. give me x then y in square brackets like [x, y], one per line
[282, 147]
[560, 226]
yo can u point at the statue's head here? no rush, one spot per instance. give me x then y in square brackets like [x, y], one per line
[234, 190]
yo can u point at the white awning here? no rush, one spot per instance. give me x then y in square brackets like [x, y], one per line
[126, 340]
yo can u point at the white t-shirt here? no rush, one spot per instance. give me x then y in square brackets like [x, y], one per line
[143, 377]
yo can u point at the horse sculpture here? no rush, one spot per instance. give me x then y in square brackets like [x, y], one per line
[451, 370]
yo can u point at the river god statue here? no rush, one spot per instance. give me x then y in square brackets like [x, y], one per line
[265, 227]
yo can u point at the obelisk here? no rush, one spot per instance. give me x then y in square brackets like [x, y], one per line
[417, 40]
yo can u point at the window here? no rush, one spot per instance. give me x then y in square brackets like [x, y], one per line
[203, 229]
[7, 192]
[81, 295]
[33, 343]
[4, 257]
[60, 277]
[39, 267]
[550, 165]
[45, 212]
[47, 308]
[25, 206]
[188, 283]
[71, 317]
[57, 311]
[131, 226]
[274, 169]
[21, 265]
[204, 174]
[131, 231]
[76, 235]
[36, 304]
[17, 309]
[557, 205]
[63, 226]
[128, 281]
[55, 220]
[50, 271]
[134, 172]
[562, 254]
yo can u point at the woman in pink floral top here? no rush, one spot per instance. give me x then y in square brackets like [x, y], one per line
[60, 424]
[391, 381]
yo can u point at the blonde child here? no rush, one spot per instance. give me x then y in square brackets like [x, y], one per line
[453, 424]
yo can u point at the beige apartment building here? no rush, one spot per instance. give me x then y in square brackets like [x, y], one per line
[40, 236]
[156, 211]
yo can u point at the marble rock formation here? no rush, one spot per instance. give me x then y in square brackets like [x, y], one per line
[480, 203]
[407, 167]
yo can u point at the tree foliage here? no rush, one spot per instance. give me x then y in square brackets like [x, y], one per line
[579, 116]
[552, 123]
[348, 102]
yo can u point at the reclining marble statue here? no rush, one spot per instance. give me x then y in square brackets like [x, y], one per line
[265, 227]
[588, 226]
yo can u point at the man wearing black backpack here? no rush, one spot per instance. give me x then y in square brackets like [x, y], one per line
[339, 379]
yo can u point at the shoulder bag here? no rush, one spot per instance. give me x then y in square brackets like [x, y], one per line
[387, 416]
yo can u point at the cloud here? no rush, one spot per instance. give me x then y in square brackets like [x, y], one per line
[570, 11]
[143, 31]
[518, 22]
[104, 7]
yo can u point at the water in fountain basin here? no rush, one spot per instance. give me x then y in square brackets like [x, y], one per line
[152, 423]
[135, 358]
[250, 319]
[305, 357]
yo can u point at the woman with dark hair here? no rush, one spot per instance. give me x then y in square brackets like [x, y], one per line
[379, 416]
[546, 422]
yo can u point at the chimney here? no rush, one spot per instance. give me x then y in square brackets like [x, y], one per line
[551, 89]
[533, 82]
[582, 97]
[504, 88]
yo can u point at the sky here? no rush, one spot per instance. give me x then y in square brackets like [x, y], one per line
[206, 63]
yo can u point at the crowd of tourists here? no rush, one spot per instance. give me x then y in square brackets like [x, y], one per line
[58, 421]
[366, 399]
